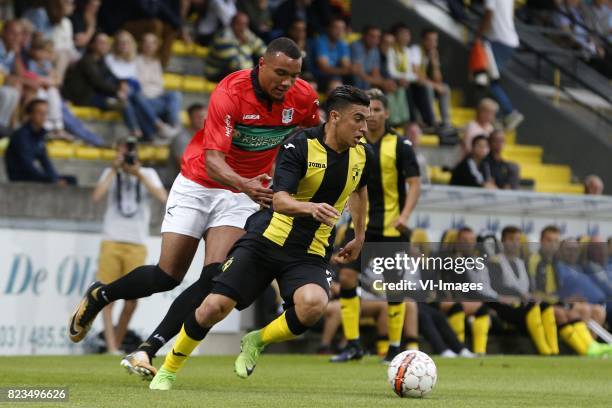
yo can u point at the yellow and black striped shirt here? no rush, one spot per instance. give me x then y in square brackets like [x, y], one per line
[311, 172]
[394, 162]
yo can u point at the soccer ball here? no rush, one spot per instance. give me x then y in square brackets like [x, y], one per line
[412, 373]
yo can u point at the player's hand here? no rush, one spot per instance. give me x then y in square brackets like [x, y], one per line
[350, 252]
[400, 225]
[255, 188]
[324, 213]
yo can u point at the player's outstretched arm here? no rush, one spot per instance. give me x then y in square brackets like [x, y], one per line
[284, 203]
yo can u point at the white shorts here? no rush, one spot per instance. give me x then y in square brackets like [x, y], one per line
[192, 209]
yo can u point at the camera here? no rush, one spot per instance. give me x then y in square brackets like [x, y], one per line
[129, 157]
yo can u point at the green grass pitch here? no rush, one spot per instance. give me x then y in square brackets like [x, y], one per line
[310, 381]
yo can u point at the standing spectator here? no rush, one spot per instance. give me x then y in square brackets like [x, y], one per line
[504, 173]
[365, 57]
[217, 17]
[297, 32]
[165, 104]
[403, 64]
[414, 134]
[84, 22]
[332, 54]
[233, 49]
[473, 171]
[316, 13]
[125, 228]
[432, 74]
[593, 185]
[482, 124]
[10, 91]
[62, 35]
[497, 25]
[26, 157]
[259, 16]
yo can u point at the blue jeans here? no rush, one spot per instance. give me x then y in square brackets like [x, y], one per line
[76, 127]
[503, 54]
[167, 107]
[138, 114]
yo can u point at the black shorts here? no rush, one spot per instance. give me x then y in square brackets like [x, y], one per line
[350, 235]
[254, 262]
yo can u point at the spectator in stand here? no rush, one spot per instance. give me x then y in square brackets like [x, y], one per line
[10, 91]
[139, 113]
[497, 25]
[414, 134]
[26, 157]
[332, 55]
[259, 16]
[403, 64]
[386, 43]
[598, 16]
[504, 173]
[432, 74]
[233, 49]
[165, 104]
[84, 22]
[570, 19]
[474, 171]
[365, 57]
[316, 13]
[216, 18]
[129, 189]
[297, 32]
[197, 117]
[593, 185]
[483, 123]
[573, 281]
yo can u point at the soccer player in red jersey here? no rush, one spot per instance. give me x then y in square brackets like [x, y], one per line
[224, 179]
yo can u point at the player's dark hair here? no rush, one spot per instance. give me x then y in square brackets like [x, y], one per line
[376, 94]
[478, 139]
[345, 95]
[286, 46]
[549, 228]
[509, 230]
[194, 107]
[32, 104]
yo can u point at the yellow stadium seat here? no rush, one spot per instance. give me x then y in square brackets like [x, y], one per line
[162, 153]
[419, 236]
[200, 51]
[108, 154]
[60, 150]
[194, 84]
[3, 145]
[352, 37]
[86, 112]
[430, 140]
[546, 173]
[184, 118]
[111, 116]
[146, 153]
[1, 78]
[181, 48]
[559, 188]
[173, 82]
[438, 176]
[209, 86]
[449, 236]
[87, 153]
[523, 153]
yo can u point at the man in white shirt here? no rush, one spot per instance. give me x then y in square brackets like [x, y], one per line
[129, 189]
[497, 26]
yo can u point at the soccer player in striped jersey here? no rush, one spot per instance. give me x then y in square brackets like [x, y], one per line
[224, 177]
[317, 172]
[390, 206]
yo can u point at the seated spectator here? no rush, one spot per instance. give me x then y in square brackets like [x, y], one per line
[574, 283]
[316, 13]
[331, 55]
[596, 265]
[165, 104]
[26, 157]
[414, 135]
[259, 16]
[386, 43]
[570, 19]
[593, 185]
[10, 91]
[403, 64]
[233, 49]
[84, 22]
[366, 61]
[432, 74]
[217, 17]
[505, 174]
[38, 15]
[598, 16]
[474, 171]
[483, 123]
[297, 32]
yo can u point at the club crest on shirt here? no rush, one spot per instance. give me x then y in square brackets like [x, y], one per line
[287, 115]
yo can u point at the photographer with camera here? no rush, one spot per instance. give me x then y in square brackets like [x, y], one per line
[126, 227]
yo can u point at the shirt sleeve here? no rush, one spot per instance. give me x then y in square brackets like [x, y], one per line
[409, 166]
[219, 126]
[290, 165]
[358, 53]
[312, 118]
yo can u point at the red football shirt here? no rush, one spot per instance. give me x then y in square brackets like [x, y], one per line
[245, 125]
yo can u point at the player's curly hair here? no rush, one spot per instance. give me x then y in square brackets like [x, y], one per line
[345, 95]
